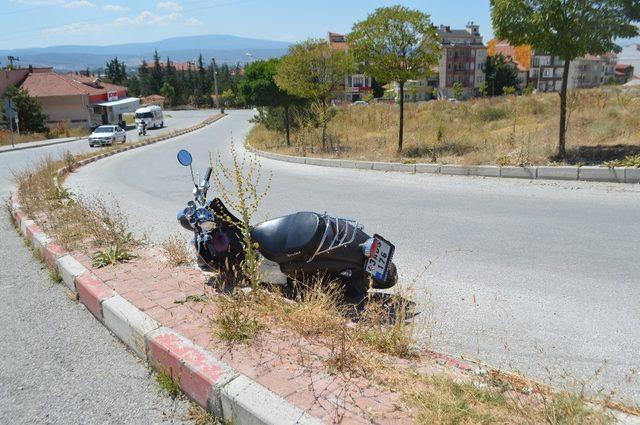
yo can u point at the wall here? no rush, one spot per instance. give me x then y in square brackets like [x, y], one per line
[63, 108]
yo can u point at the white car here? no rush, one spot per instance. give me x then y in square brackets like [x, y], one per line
[107, 135]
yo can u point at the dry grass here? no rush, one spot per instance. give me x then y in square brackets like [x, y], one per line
[177, 251]
[60, 130]
[604, 125]
[357, 341]
[75, 222]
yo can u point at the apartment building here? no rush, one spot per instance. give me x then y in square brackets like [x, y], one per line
[356, 86]
[463, 60]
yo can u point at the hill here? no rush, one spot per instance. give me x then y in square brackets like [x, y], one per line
[225, 48]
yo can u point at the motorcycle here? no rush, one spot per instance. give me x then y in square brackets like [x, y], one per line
[304, 246]
[142, 129]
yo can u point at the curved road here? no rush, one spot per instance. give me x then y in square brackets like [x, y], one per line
[57, 363]
[523, 274]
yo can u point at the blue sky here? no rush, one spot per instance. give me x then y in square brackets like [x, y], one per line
[41, 23]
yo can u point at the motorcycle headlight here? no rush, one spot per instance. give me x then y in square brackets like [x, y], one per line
[189, 211]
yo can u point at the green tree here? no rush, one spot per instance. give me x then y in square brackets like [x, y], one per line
[458, 90]
[168, 92]
[258, 87]
[500, 74]
[156, 74]
[144, 77]
[396, 44]
[567, 29]
[31, 117]
[314, 70]
[116, 71]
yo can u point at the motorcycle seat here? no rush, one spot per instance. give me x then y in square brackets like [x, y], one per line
[289, 238]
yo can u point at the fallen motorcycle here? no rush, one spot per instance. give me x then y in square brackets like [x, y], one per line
[302, 245]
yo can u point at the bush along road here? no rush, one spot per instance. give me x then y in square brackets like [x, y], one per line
[157, 312]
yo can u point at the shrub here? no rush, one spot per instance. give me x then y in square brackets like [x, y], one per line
[492, 113]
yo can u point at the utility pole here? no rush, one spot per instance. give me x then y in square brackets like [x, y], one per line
[215, 84]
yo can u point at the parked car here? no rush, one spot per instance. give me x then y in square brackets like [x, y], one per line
[107, 135]
[359, 103]
[151, 115]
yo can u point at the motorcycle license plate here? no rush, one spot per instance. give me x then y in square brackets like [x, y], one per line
[380, 258]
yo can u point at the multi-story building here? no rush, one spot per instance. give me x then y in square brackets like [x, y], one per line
[592, 71]
[463, 60]
[624, 73]
[546, 72]
[356, 86]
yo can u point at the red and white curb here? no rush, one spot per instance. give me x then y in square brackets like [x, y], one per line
[206, 380]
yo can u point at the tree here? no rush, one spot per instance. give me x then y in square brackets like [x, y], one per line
[168, 92]
[500, 74]
[156, 74]
[30, 114]
[258, 87]
[458, 90]
[116, 71]
[567, 29]
[314, 70]
[396, 44]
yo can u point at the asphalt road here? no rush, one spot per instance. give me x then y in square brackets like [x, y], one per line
[58, 365]
[522, 274]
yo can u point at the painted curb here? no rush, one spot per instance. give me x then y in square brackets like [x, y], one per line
[69, 269]
[246, 401]
[92, 293]
[200, 375]
[128, 323]
[596, 174]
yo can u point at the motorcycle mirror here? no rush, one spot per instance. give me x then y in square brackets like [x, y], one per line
[184, 157]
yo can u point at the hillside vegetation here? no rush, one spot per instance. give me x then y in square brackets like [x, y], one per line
[604, 125]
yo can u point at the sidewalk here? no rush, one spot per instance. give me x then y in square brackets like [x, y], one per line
[38, 144]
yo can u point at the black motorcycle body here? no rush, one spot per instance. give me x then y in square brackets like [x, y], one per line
[305, 245]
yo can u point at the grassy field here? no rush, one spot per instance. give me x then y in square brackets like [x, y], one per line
[604, 125]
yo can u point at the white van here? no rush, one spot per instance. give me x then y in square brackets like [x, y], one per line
[151, 115]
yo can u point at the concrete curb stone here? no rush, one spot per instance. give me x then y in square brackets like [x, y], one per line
[38, 239]
[454, 170]
[632, 175]
[128, 323]
[558, 173]
[199, 374]
[52, 252]
[92, 293]
[428, 168]
[69, 269]
[615, 174]
[485, 170]
[24, 224]
[519, 172]
[246, 401]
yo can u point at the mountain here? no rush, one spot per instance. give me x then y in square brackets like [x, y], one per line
[224, 48]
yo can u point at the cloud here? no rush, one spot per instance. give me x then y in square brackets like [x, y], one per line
[113, 8]
[169, 5]
[148, 18]
[78, 4]
[76, 28]
[144, 18]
